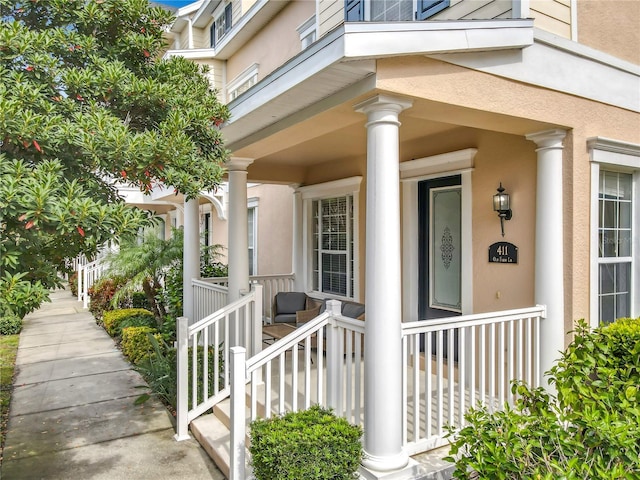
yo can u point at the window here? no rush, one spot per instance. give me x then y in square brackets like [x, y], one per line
[221, 25]
[243, 82]
[330, 243]
[333, 264]
[614, 245]
[615, 217]
[252, 229]
[307, 32]
[207, 229]
[392, 10]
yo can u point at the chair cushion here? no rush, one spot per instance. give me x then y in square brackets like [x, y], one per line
[352, 310]
[285, 318]
[290, 302]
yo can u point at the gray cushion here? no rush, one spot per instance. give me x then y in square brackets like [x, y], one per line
[290, 302]
[352, 310]
[285, 318]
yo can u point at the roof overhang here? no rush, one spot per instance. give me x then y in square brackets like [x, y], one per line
[346, 57]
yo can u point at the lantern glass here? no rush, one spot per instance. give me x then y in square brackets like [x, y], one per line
[501, 202]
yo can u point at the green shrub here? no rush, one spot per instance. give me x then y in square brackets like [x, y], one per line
[101, 294]
[160, 372]
[116, 320]
[590, 430]
[312, 444]
[10, 324]
[139, 300]
[20, 296]
[73, 284]
[136, 344]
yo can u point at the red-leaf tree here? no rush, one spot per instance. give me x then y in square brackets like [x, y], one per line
[85, 100]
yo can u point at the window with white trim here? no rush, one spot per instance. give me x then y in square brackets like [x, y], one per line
[330, 244]
[243, 82]
[333, 265]
[615, 204]
[307, 32]
[252, 229]
[615, 220]
[221, 25]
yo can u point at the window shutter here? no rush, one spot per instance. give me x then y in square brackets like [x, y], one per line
[212, 33]
[227, 18]
[354, 11]
[427, 8]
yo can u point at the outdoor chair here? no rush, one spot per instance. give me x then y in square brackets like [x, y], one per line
[287, 306]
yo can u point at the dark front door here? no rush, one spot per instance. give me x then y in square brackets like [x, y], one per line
[440, 255]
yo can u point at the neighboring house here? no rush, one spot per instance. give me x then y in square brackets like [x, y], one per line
[397, 121]
[269, 221]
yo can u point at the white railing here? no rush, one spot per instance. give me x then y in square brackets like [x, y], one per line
[489, 351]
[89, 274]
[271, 284]
[203, 355]
[207, 298]
[294, 374]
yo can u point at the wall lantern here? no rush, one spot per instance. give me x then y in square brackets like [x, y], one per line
[501, 204]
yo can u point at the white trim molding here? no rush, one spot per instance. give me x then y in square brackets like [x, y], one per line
[344, 186]
[461, 163]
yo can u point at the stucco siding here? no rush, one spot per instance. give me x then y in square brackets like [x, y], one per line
[612, 26]
[331, 14]
[274, 44]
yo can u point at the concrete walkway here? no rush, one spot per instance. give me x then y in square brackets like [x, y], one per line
[72, 410]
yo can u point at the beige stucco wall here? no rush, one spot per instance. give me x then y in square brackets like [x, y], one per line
[275, 227]
[273, 45]
[612, 26]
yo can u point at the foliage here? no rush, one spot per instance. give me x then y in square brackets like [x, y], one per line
[143, 262]
[591, 430]
[8, 353]
[310, 444]
[10, 324]
[115, 320]
[73, 284]
[160, 372]
[86, 102]
[210, 266]
[136, 344]
[19, 296]
[102, 293]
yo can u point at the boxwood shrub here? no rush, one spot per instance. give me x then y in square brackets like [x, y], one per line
[136, 344]
[115, 320]
[590, 429]
[312, 444]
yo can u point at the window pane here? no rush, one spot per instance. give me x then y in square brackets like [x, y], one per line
[610, 217]
[609, 241]
[607, 309]
[607, 283]
[624, 243]
[624, 186]
[624, 215]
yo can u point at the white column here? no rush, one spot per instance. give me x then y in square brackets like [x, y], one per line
[297, 260]
[238, 249]
[549, 252]
[383, 349]
[190, 256]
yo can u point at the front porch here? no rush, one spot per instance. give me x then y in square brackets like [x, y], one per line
[324, 362]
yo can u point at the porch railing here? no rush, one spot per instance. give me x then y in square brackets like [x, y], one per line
[203, 355]
[208, 297]
[88, 274]
[271, 284]
[283, 377]
[452, 363]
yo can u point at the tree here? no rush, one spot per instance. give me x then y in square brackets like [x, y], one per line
[85, 101]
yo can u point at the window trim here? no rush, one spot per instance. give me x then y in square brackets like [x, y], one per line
[226, 14]
[309, 27]
[252, 204]
[245, 76]
[310, 193]
[615, 156]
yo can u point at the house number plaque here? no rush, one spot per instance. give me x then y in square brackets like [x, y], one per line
[503, 252]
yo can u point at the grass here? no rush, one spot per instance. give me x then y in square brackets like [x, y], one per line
[8, 352]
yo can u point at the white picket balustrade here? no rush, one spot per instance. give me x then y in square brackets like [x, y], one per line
[272, 284]
[453, 363]
[293, 374]
[207, 298]
[89, 274]
[203, 372]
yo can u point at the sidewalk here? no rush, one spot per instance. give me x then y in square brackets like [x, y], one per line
[72, 410]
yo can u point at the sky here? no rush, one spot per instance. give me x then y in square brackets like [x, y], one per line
[175, 3]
